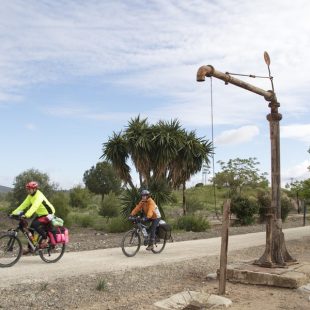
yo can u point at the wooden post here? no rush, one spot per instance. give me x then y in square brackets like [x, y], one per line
[305, 211]
[224, 248]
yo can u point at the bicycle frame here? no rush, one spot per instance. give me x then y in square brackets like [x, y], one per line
[138, 226]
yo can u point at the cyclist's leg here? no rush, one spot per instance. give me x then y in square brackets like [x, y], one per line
[40, 228]
[155, 223]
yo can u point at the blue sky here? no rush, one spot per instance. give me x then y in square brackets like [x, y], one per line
[72, 72]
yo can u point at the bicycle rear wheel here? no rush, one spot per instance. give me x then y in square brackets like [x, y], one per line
[10, 250]
[52, 253]
[159, 244]
[131, 243]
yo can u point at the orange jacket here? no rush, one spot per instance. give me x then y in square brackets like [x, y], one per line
[149, 208]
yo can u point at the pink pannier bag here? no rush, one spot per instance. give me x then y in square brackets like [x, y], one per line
[59, 235]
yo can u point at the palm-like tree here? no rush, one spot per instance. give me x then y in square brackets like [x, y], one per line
[138, 136]
[193, 153]
[116, 151]
[167, 142]
[163, 153]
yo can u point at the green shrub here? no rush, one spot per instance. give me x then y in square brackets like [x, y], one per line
[79, 197]
[118, 224]
[263, 203]
[192, 223]
[83, 220]
[244, 209]
[110, 205]
[60, 202]
[194, 204]
[174, 198]
[286, 207]
[199, 185]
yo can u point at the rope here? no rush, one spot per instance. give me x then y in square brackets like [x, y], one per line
[212, 136]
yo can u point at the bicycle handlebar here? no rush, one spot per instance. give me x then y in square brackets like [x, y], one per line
[135, 219]
[21, 218]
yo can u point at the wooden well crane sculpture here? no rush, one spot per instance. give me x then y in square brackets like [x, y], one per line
[275, 254]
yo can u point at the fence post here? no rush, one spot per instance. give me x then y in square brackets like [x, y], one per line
[224, 248]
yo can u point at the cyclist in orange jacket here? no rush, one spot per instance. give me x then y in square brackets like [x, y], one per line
[151, 213]
[36, 203]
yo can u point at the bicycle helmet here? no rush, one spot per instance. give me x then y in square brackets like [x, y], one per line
[32, 185]
[145, 192]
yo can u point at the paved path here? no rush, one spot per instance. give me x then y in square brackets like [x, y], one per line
[30, 269]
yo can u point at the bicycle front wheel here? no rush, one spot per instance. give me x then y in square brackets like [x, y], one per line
[159, 244]
[131, 243]
[10, 250]
[53, 253]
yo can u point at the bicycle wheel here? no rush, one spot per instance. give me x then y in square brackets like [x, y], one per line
[131, 243]
[159, 244]
[10, 250]
[52, 253]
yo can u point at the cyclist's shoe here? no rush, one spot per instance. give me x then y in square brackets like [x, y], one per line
[150, 247]
[43, 244]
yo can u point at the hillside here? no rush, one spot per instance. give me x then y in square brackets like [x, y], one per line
[5, 189]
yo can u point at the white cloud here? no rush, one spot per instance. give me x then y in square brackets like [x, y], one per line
[296, 131]
[53, 40]
[297, 172]
[31, 126]
[237, 136]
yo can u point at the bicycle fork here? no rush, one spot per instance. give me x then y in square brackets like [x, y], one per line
[30, 243]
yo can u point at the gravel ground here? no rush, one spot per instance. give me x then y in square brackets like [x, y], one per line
[140, 288]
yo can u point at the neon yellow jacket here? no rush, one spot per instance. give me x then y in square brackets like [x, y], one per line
[37, 204]
[149, 208]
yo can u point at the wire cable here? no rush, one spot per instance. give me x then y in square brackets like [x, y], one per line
[212, 137]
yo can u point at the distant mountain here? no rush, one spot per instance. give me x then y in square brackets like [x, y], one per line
[5, 189]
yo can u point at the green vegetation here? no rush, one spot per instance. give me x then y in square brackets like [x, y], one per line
[102, 179]
[107, 209]
[192, 223]
[102, 285]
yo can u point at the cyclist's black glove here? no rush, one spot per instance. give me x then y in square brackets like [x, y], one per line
[145, 219]
[131, 218]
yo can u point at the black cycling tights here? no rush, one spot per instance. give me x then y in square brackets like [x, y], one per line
[39, 228]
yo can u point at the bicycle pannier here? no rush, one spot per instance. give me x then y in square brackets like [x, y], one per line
[164, 230]
[59, 235]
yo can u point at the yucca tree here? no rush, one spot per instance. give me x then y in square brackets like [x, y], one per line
[193, 153]
[167, 141]
[116, 152]
[139, 145]
[163, 154]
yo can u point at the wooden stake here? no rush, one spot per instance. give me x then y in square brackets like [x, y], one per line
[224, 248]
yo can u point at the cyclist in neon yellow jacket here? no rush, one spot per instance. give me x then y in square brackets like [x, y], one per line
[36, 203]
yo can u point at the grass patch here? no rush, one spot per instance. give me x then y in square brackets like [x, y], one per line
[102, 285]
[43, 286]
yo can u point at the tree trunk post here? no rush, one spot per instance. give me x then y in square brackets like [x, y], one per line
[276, 253]
[184, 199]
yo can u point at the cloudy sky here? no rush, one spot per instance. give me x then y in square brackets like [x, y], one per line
[74, 71]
